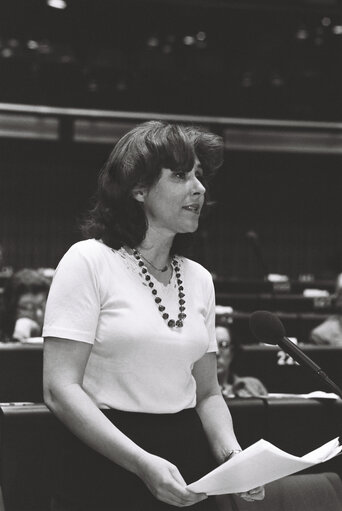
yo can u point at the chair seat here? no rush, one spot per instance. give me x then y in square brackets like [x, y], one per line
[306, 492]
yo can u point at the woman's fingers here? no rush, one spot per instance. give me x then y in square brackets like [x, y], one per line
[165, 482]
[254, 494]
[183, 496]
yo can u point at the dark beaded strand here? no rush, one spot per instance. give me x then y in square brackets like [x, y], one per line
[181, 316]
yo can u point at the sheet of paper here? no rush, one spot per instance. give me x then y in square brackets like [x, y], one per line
[33, 340]
[316, 394]
[260, 464]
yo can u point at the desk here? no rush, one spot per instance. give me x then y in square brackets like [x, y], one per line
[280, 373]
[27, 450]
[21, 372]
[235, 285]
[299, 425]
[30, 440]
[276, 302]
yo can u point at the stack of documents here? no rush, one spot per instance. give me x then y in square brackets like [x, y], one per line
[260, 464]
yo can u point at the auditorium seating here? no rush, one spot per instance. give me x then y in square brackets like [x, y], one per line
[235, 285]
[30, 438]
[21, 369]
[299, 312]
[250, 302]
[309, 492]
[298, 325]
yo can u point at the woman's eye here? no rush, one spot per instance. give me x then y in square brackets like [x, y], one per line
[180, 175]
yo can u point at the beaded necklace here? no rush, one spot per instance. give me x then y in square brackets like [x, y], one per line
[163, 269]
[181, 302]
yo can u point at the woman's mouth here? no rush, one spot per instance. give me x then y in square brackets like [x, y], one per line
[194, 208]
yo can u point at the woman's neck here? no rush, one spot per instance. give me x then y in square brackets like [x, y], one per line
[156, 249]
[155, 253]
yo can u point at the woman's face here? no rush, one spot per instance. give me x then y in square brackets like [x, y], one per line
[173, 204]
[225, 350]
[32, 305]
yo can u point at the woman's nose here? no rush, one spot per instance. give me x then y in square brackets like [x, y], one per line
[198, 187]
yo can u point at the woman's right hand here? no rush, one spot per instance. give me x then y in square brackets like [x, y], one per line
[165, 482]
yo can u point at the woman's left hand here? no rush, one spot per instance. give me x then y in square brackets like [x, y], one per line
[248, 386]
[257, 493]
[254, 494]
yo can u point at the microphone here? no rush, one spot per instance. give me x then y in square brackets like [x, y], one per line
[268, 328]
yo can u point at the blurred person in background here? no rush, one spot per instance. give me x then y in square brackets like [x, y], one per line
[25, 297]
[231, 384]
[330, 331]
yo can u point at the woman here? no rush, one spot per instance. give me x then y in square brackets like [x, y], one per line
[129, 357]
[231, 384]
[24, 305]
[330, 330]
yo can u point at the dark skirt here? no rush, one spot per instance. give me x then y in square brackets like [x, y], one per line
[87, 481]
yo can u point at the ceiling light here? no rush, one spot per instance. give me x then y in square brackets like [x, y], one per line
[57, 4]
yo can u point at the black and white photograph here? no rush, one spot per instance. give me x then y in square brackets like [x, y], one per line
[170, 255]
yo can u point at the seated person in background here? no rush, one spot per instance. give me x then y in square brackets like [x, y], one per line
[24, 305]
[330, 331]
[231, 384]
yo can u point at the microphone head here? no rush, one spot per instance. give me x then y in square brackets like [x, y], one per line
[266, 327]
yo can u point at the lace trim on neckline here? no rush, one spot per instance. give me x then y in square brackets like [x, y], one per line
[131, 265]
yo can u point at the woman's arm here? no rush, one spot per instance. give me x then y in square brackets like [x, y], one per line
[64, 365]
[213, 410]
[215, 416]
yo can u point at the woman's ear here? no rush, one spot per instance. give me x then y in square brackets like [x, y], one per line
[139, 193]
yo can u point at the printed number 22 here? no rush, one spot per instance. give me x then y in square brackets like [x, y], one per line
[285, 359]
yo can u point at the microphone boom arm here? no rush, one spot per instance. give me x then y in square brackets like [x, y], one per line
[301, 357]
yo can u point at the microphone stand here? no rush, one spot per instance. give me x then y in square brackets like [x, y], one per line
[303, 359]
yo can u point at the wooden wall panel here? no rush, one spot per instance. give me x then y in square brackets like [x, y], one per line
[292, 201]
[44, 188]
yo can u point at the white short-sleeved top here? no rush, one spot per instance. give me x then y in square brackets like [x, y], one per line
[137, 362]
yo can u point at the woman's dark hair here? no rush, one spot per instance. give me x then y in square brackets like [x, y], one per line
[137, 159]
[23, 281]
